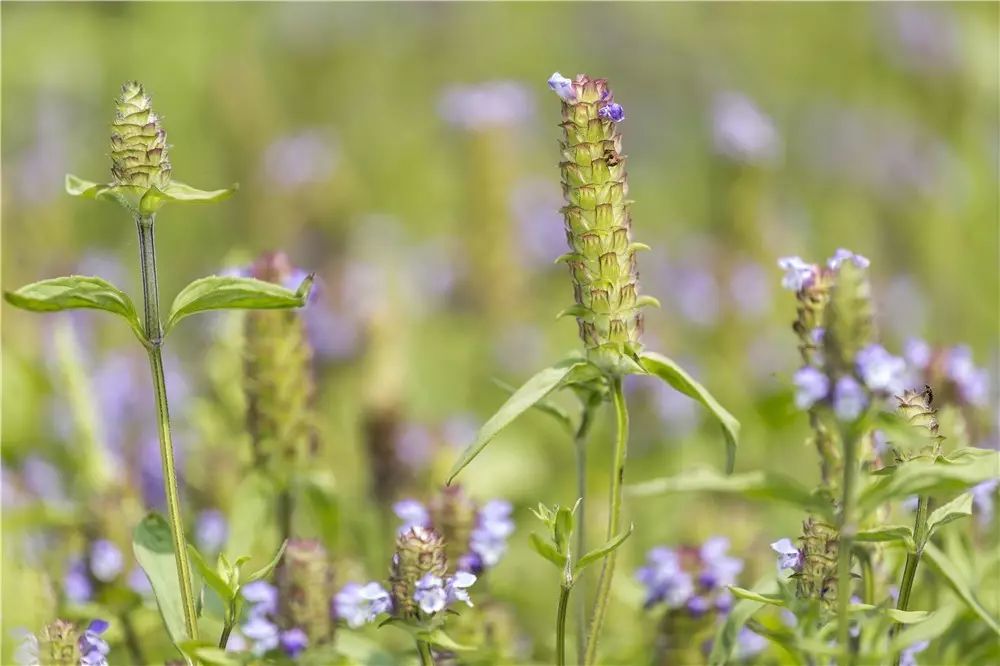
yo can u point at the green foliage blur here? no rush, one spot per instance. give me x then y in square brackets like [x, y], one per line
[753, 132]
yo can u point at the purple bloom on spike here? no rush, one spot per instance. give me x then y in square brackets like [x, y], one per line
[76, 582]
[293, 642]
[94, 649]
[562, 86]
[842, 255]
[789, 557]
[430, 594]
[811, 386]
[849, 399]
[718, 568]
[106, 561]
[880, 370]
[664, 579]
[263, 596]
[613, 112]
[917, 353]
[263, 633]
[359, 604]
[412, 513]
[742, 132]
[456, 587]
[798, 274]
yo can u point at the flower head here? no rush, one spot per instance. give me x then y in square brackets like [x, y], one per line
[811, 386]
[798, 274]
[430, 595]
[842, 255]
[359, 604]
[849, 399]
[789, 557]
[456, 587]
[664, 579]
[562, 86]
[719, 569]
[613, 112]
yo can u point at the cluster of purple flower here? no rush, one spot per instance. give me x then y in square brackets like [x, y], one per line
[91, 648]
[261, 629]
[103, 565]
[563, 87]
[694, 579]
[487, 541]
[950, 370]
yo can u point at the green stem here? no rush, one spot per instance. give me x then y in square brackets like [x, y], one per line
[561, 625]
[913, 559]
[426, 656]
[580, 443]
[614, 520]
[154, 340]
[226, 630]
[846, 528]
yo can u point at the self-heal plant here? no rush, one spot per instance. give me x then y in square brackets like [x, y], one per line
[142, 183]
[608, 309]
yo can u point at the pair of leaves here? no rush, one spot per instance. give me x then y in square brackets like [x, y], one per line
[226, 579]
[576, 370]
[142, 200]
[550, 551]
[210, 293]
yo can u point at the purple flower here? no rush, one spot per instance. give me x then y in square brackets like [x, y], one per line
[880, 370]
[917, 353]
[907, 658]
[718, 568]
[664, 579]
[43, 480]
[293, 642]
[749, 642]
[789, 557]
[359, 604]
[262, 632]
[263, 596]
[842, 255]
[973, 383]
[456, 587]
[94, 649]
[563, 87]
[493, 526]
[139, 583]
[305, 158]
[849, 399]
[798, 274]
[489, 104]
[613, 112]
[211, 530]
[535, 205]
[430, 594]
[76, 582]
[106, 561]
[811, 386]
[741, 132]
[412, 513]
[750, 288]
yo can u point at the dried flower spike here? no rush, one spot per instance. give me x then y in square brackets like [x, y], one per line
[419, 551]
[601, 259]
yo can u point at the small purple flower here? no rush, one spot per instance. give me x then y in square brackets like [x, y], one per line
[211, 530]
[489, 538]
[789, 557]
[613, 112]
[718, 568]
[412, 513]
[742, 132]
[456, 587]
[798, 274]
[359, 604]
[698, 606]
[811, 386]
[917, 353]
[907, 657]
[106, 561]
[973, 383]
[94, 649]
[485, 105]
[263, 596]
[664, 579]
[139, 583]
[563, 87]
[263, 633]
[849, 399]
[749, 642]
[880, 370]
[430, 594]
[76, 582]
[842, 255]
[293, 642]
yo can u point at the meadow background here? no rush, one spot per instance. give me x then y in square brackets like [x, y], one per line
[407, 154]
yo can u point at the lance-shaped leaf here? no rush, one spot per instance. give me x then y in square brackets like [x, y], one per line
[960, 507]
[266, 570]
[928, 476]
[218, 292]
[903, 533]
[935, 625]
[667, 370]
[523, 399]
[154, 551]
[210, 576]
[940, 562]
[75, 292]
[547, 550]
[602, 551]
[140, 200]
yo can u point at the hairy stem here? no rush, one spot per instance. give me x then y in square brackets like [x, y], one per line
[426, 656]
[561, 625]
[614, 520]
[846, 528]
[154, 340]
[580, 443]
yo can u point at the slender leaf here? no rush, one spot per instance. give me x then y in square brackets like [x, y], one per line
[210, 576]
[902, 533]
[76, 292]
[935, 625]
[927, 476]
[563, 528]
[439, 638]
[154, 551]
[218, 292]
[727, 637]
[667, 370]
[960, 507]
[547, 550]
[266, 570]
[760, 597]
[603, 551]
[522, 400]
[546, 406]
[946, 569]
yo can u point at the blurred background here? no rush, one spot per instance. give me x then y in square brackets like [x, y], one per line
[408, 155]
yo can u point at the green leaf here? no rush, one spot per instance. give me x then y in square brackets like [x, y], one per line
[218, 292]
[755, 485]
[75, 292]
[210, 576]
[727, 637]
[935, 625]
[266, 570]
[900, 616]
[960, 507]
[667, 370]
[563, 529]
[760, 597]
[521, 401]
[929, 476]
[127, 196]
[546, 406]
[902, 533]
[154, 198]
[251, 518]
[547, 550]
[154, 551]
[602, 551]
[947, 570]
[439, 638]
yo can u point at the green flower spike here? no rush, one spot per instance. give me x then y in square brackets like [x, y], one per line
[419, 551]
[139, 162]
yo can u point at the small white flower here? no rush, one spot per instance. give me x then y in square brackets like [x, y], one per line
[563, 87]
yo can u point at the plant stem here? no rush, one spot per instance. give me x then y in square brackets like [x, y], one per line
[913, 559]
[846, 529]
[154, 340]
[426, 656]
[561, 625]
[614, 520]
[580, 443]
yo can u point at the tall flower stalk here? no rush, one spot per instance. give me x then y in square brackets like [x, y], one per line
[142, 184]
[608, 310]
